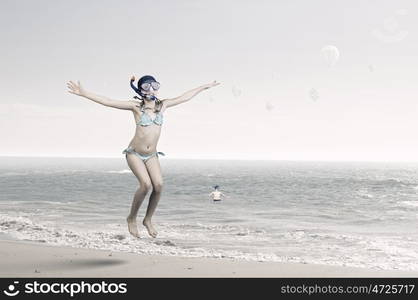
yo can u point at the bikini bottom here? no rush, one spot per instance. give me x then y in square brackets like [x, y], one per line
[144, 157]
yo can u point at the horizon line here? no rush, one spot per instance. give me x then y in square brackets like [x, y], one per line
[239, 159]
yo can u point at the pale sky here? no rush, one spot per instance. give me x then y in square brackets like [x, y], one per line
[277, 99]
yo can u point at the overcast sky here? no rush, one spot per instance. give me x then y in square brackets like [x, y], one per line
[278, 98]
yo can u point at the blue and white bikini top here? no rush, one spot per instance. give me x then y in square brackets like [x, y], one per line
[145, 119]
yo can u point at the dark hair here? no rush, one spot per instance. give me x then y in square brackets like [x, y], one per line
[216, 186]
[138, 90]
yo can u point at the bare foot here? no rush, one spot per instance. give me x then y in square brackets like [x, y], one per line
[151, 230]
[132, 227]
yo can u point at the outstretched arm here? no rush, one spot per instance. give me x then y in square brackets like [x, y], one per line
[189, 94]
[78, 90]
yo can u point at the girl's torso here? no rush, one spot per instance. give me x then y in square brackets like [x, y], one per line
[148, 129]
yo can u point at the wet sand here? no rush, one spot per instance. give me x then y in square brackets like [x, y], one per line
[29, 259]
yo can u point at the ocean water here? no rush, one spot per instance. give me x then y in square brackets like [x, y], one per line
[335, 213]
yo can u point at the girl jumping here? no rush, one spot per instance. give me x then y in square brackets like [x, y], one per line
[141, 154]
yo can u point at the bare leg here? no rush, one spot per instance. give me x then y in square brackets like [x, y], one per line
[154, 171]
[152, 205]
[140, 171]
[136, 204]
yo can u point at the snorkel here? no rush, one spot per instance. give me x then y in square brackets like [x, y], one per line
[138, 90]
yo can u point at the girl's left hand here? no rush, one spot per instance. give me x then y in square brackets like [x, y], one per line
[212, 84]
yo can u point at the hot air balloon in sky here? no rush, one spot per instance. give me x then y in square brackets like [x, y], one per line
[269, 106]
[236, 92]
[330, 55]
[313, 94]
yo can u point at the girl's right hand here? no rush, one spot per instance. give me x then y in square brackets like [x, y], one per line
[212, 84]
[75, 89]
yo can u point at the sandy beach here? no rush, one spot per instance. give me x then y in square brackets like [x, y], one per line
[29, 259]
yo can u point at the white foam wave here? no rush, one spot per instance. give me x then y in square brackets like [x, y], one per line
[120, 171]
[200, 240]
[43, 172]
[7, 174]
[363, 193]
[408, 203]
